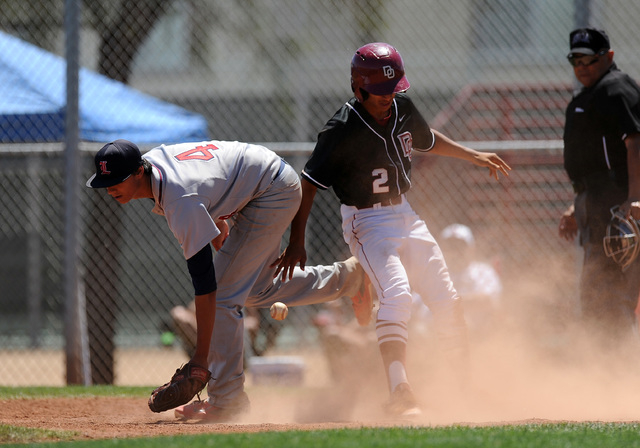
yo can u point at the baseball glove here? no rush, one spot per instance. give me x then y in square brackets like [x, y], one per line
[188, 381]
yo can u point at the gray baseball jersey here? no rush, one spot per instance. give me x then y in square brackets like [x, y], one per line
[196, 184]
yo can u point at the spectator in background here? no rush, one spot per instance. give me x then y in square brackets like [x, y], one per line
[477, 282]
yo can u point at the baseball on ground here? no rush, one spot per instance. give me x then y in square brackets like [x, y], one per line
[279, 311]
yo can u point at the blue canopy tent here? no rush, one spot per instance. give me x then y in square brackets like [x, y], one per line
[33, 96]
[32, 110]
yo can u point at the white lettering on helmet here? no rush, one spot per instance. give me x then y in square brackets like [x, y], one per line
[388, 71]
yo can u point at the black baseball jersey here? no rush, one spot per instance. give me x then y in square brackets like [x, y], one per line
[597, 121]
[366, 162]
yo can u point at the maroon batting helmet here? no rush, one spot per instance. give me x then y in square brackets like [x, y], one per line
[377, 68]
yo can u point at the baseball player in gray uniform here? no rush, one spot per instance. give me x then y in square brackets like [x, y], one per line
[197, 187]
[364, 153]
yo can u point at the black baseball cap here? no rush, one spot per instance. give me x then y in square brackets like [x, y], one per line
[115, 162]
[588, 40]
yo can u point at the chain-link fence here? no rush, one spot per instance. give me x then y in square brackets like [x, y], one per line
[489, 72]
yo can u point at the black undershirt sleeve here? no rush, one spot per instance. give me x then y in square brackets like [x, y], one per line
[203, 275]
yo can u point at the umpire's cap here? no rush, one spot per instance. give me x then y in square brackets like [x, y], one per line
[115, 162]
[588, 40]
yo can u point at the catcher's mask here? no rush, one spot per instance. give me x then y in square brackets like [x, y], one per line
[622, 240]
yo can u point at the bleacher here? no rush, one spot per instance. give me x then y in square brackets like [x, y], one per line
[524, 124]
[505, 112]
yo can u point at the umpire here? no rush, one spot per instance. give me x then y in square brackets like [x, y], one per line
[602, 159]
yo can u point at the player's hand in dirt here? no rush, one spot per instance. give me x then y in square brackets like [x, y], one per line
[288, 260]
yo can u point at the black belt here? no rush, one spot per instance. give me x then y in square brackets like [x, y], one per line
[384, 203]
[597, 181]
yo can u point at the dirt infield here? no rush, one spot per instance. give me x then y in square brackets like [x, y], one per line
[110, 417]
[118, 417]
[115, 417]
[510, 381]
[503, 394]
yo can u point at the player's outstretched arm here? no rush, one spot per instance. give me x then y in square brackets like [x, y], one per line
[295, 252]
[444, 146]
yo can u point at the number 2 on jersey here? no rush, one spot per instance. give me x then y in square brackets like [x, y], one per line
[380, 179]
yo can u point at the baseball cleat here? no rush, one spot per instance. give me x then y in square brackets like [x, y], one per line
[205, 412]
[402, 403]
[362, 302]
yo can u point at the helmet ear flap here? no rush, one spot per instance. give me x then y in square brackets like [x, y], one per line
[363, 95]
[622, 239]
[356, 87]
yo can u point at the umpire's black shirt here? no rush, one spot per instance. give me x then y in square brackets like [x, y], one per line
[598, 119]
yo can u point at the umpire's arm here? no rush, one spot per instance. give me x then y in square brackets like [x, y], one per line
[632, 204]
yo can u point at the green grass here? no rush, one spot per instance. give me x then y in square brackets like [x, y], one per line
[569, 435]
[18, 435]
[8, 393]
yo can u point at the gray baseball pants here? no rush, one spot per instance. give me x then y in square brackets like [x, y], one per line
[245, 279]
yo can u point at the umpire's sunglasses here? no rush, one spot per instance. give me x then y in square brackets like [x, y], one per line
[578, 59]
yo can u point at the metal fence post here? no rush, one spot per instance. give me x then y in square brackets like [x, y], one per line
[75, 314]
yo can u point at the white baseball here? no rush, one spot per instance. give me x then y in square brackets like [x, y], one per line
[279, 311]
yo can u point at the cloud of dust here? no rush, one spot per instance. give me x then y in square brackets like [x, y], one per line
[533, 362]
